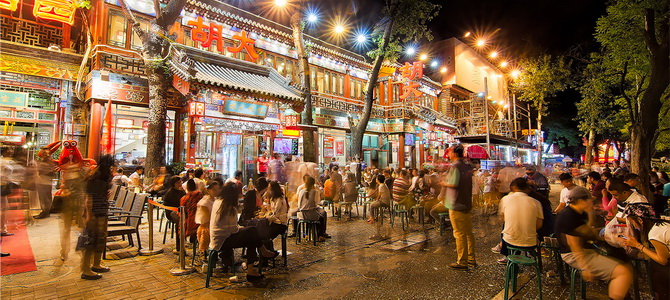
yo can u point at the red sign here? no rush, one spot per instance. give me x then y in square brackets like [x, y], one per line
[328, 142]
[208, 33]
[10, 5]
[411, 72]
[196, 109]
[339, 148]
[290, 120]
[56, 10]
[181, 85]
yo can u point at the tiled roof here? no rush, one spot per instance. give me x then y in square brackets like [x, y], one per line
[235, 75]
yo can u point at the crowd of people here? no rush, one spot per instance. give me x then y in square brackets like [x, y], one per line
[604, 218]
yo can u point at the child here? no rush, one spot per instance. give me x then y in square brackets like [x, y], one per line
[203, 214]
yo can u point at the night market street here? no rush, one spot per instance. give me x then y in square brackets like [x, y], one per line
[348, 266]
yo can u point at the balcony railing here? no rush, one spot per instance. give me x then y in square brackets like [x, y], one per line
[30, 32]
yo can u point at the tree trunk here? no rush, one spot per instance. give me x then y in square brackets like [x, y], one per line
[308, 144]
[358, 130]
[539, 139]
[608, 146]
[159, 82]
[589, 147]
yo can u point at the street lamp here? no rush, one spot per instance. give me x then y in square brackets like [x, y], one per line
[443, 70]
[280, 3]
[361, 38]
[339, 29]
[410, 50]
[481, 42]
[423, 57]
[311, 17]
[503, 64]
[434, 64]
[493, 54]
[515, 74]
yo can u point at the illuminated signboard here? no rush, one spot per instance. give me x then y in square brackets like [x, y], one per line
[205, 34]
[10, 5]
[409, 73]
[55, 10]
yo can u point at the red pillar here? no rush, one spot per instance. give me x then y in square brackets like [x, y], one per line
[192, 136]
[95, 130]
[401, 150]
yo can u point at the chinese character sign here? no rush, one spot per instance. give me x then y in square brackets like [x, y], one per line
[205, 34]
[55, 10]
[10, 5]
[410, 72]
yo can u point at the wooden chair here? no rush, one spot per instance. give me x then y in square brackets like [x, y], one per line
[126, 209]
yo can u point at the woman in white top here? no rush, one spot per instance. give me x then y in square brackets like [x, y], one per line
[203, 215]
[659, 237]
[276, 211]
[226, 235]
[308, 208]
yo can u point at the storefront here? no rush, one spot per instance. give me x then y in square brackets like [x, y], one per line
[236, 112]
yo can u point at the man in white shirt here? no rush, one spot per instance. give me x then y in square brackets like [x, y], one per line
[136, 178]
[522, 216]
[568, 185]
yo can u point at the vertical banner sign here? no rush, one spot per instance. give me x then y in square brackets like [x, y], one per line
[409, 73]
[339, 148]
[328, 146]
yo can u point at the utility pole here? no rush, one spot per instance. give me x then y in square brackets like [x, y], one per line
[486, 110]
[516, 138]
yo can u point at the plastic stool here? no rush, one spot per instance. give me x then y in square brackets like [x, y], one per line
[402, 213]
[636, 275]
[556, 253]
[420, 211]
[442, 218]
[513, 263]
[307, 227]
[573, 278]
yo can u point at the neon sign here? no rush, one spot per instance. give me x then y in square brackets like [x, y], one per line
[55, 10]
[410, 72]
[10, 5]
[208, 33]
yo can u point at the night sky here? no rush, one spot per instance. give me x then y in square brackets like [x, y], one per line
[522, 28]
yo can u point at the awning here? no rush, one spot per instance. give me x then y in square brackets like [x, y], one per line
[476, 152]
[196, 65]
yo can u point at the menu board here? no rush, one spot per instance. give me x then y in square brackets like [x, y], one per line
[328, 146]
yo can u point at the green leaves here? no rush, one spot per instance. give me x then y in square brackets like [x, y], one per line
[542, 78]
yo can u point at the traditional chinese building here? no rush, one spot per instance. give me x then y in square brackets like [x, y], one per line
[41, 44]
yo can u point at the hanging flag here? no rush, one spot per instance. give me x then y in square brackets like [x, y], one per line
[107, 130]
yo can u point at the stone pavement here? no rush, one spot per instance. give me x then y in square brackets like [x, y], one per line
[411, 264]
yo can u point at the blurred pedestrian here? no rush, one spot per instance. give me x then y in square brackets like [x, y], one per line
[45, 174]
[93, 239]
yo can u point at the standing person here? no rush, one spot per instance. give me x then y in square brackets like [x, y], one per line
[45, 174]
[537, 181]
[522, 216]
[459, 203]
[568, 184]
[336, 178]
[573, 232]
[276, 169]
[94, 237]
[309, 210]
[262, 165]
[333, 162]
[136, 179]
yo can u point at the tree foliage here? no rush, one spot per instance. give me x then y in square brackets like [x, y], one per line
[403, 21]
[542, 78]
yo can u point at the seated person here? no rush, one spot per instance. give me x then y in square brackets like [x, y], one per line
[573, 232]
[309, 210]
[659, 237]
[276, 211]
[349, 191]
[190, 204]
[383, 199]
[253, 200]
[522, 216]
[225, 235]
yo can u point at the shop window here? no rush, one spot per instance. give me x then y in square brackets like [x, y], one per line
[352, 88]
[228, 53]
[289, 70]
[396, 93]
[359, 89]
[312, 76]
[136, 42]
[117, 29]
[281, 67]
[320, 80]
[341, 85]
[333, 82]
[269, 60]
[326, 82]
[261, 58]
